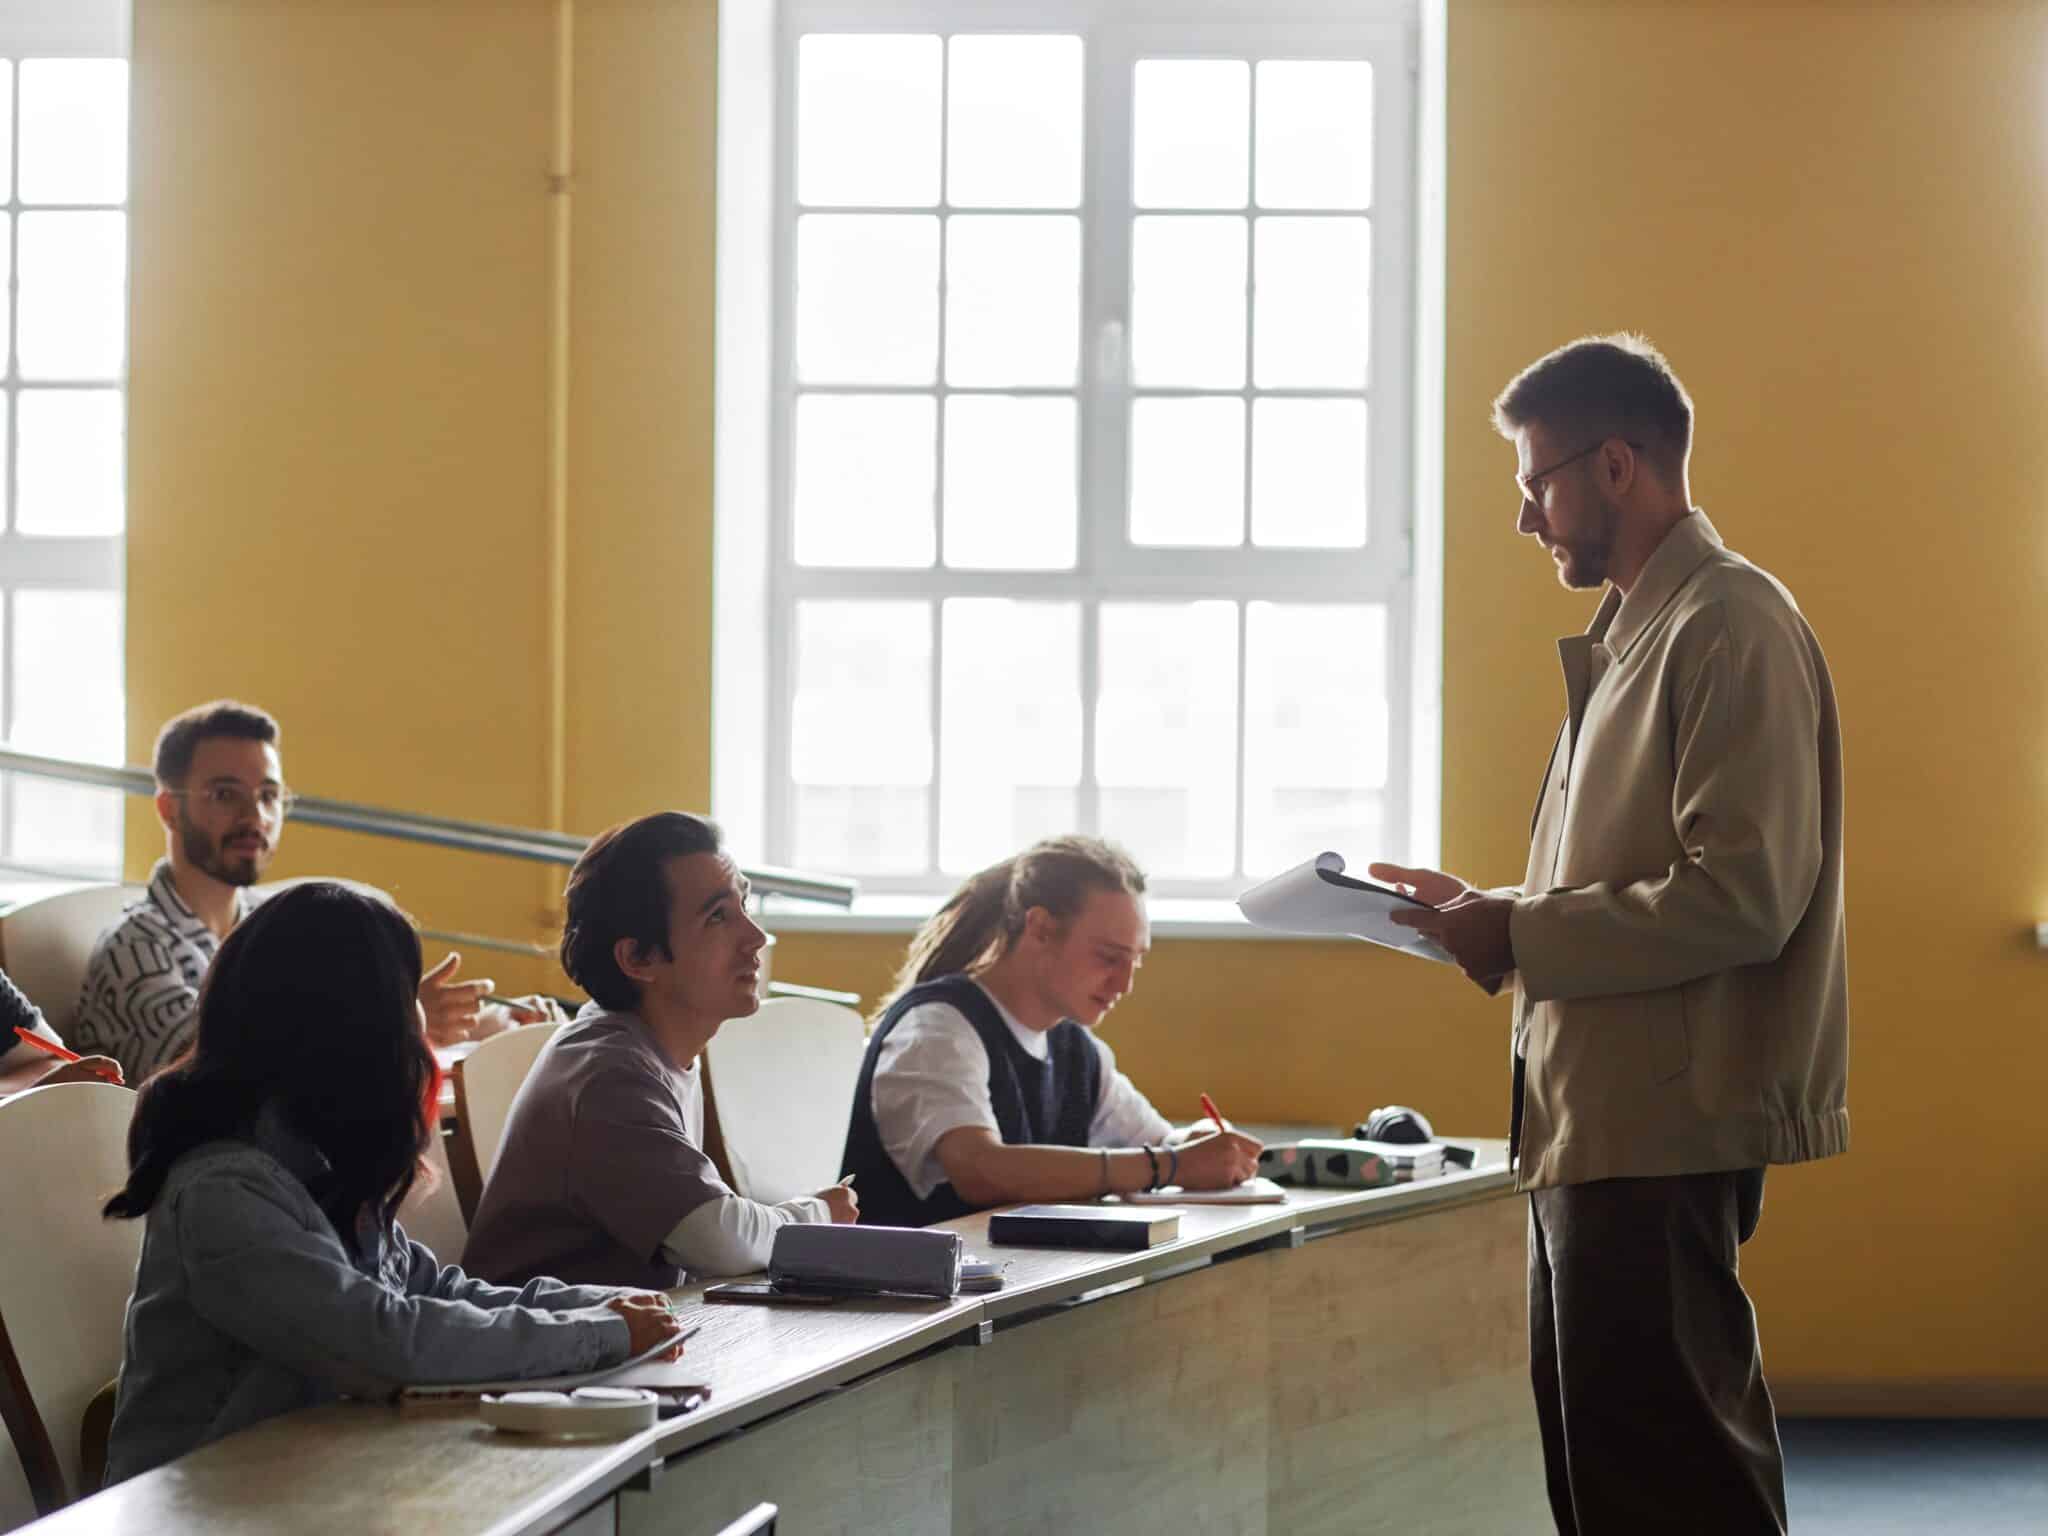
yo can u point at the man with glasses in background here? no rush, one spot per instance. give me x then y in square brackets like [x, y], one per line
[221, 797]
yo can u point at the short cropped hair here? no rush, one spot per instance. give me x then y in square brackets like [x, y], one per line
[619, 890]
[1600, 387]
[182, 734]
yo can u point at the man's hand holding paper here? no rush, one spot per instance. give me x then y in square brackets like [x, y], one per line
[1469, 923]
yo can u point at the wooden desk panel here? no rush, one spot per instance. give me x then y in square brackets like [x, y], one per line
[1141, 1412]
[876, 1457]
[1400, 1379]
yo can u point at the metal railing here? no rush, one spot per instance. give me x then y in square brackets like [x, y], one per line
[562, 848]
[558, 848]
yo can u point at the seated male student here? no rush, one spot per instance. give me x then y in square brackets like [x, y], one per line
[602, 1178]
[984, 1081]
[221, 797]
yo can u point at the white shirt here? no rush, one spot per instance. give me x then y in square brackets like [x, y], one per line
[931, 1077]
[729, 1234]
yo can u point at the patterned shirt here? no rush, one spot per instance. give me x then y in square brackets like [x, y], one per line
[141, 992]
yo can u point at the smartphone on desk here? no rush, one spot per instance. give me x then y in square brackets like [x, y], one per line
[767, 1293]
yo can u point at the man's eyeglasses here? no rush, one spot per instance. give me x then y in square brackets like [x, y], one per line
[1531, 485]
[272, 802]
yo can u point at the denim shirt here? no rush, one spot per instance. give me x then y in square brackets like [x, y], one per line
[247, 1305]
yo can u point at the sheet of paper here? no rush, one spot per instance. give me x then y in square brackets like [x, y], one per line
[1318, 897]
[1253, 1191]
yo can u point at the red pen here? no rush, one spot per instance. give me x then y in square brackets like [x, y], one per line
[63, 1053]
[1209, 1107]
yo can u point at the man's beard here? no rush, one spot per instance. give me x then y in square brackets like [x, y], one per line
[1587, 560]
[208, 857]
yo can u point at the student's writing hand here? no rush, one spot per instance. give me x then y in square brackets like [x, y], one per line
[842, 1202]
[1218, 1160]
[649, 1320]
[87, 1069]
[450, 1005]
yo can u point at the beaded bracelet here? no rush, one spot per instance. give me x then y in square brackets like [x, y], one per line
[1152, 1157]
[1173, 1152]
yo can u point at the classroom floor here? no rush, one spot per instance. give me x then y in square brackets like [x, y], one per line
[1916, 1477]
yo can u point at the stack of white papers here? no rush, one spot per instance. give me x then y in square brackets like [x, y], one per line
[1318, 897]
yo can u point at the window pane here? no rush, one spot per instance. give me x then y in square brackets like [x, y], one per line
[868, 120]
[1011, 731]
[1187, 471]
[860, 736]
[1187, 302]
[6, 128]
[67, 674]
[73, 295]
[1166, 734]
[1013, 117]
[74, 130]
[1013, 299]
[1315, 134]
[1191, 124]
[66, 826]
[866, 470]
[72, 454]
[1010, 483]
[1308, 473]
[1315, 754]
[1313, 278]
[867, 298]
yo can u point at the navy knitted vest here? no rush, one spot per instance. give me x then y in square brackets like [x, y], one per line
[1050, 1102]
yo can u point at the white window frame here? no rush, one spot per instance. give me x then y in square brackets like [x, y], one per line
[31, 29]
[757, 573]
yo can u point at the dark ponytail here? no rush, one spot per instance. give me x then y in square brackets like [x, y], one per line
[981, 920]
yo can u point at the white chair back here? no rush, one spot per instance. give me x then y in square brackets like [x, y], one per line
[486, 1082]
[783, 1084]
[64, 1288]
[45, 943]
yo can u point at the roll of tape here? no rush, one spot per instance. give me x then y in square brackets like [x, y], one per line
[589, 1413]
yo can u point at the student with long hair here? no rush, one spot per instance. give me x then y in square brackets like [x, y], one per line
[270, 1161]
[985, 1081]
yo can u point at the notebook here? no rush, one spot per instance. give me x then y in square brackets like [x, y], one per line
[1253, 1191]
[1084, 1226]
[643, 1370]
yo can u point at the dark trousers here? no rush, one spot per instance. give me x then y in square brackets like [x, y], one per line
[1643, 1352]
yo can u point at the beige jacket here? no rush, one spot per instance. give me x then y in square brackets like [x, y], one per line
[1681, 996]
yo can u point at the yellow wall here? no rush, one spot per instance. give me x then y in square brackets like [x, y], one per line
[1831, 216]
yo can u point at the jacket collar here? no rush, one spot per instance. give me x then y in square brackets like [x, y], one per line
[1621, 619]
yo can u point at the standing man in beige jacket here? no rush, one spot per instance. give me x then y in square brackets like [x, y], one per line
[1677, 953]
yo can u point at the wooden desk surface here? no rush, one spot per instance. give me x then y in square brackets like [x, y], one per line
[359, 1467]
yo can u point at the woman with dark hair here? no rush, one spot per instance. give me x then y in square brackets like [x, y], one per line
[985, 1081]
[271, 1160]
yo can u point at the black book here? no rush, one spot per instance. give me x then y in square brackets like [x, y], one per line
[1084, 1226]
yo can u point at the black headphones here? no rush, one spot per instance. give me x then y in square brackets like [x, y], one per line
[1403, 1126]
[1396, 1123]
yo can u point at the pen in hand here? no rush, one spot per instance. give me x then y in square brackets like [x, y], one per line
[62, 1053]
[1209, 1108]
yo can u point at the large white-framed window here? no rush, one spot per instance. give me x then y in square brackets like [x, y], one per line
[64, 173]
[1090, 438]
